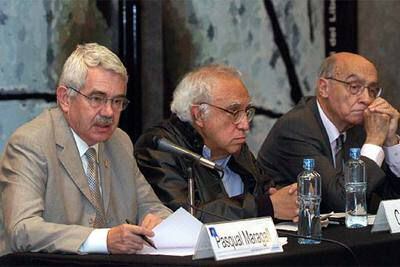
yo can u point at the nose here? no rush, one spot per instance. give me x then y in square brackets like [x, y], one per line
[365, 97]
[107, 109]
[244, 124]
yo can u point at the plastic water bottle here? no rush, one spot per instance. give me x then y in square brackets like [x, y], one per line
[356, 187]
[309, 197]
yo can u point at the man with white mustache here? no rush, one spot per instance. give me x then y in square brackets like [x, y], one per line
[69, 181]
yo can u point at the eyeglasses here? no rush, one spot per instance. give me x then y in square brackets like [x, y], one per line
[237, 115]
[357, 88]
[95, 101]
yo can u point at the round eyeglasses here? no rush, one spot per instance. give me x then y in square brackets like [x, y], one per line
[356, 88]
[237, 115]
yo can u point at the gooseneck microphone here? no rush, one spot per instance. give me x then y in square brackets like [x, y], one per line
[167, 146]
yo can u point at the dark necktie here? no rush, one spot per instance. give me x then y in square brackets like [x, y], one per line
[93, 182]
[339, 155]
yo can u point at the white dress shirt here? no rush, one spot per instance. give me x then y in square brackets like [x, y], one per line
[96, 242]
[373, 152]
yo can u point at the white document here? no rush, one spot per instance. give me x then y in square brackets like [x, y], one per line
[234, 239]
[176, 235]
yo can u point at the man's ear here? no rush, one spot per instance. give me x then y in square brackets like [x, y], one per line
[197, 115]
[322, 88]
[63, 99]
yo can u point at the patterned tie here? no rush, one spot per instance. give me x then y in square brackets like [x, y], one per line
[339, 155]
[93, 181]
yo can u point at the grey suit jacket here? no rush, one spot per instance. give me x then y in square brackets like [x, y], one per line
[45, 195]
[300, 133]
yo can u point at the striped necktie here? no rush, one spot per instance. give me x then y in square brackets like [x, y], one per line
[339, 155]
[93, 182]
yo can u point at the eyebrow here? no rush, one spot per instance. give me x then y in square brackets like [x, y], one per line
[360, 80]
[100, 92]
[237, 106]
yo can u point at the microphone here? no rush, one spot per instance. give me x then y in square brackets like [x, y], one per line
[165, 145]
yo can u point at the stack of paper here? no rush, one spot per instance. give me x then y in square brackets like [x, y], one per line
[177, 235]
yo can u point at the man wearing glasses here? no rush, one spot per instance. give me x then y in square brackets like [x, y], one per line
[68, 178]
[347, 111]
[211, 113]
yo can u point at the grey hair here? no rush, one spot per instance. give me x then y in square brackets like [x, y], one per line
[196, 87]
[88, 56]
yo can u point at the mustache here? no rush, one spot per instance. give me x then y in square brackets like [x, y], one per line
[103, 120]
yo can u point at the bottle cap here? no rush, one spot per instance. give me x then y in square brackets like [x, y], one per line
[355, 153]
[308, 164]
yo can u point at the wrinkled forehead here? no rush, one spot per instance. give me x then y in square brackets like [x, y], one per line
[356, 67]
[230, 92]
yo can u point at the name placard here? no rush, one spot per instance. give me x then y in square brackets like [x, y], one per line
[236, 239]
[387, 217]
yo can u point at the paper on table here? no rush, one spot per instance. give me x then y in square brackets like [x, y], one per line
[176, 235]
[291, 226]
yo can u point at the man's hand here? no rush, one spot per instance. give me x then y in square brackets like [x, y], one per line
[285, 203]
[376, 126]
[150, 221]
[125, 239]
[380, 105]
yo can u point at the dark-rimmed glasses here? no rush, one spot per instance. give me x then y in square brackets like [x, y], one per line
[237, 115]
[357, 88]
[95, 101]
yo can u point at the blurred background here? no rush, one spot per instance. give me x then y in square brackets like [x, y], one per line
[276, 44]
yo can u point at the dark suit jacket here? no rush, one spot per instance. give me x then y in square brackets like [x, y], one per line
[45, 194]
[300, 134]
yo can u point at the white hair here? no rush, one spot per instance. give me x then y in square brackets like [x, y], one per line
[196, 87]
[88, 56]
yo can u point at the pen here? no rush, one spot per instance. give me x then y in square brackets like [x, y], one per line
[336, 220]
[145, 238]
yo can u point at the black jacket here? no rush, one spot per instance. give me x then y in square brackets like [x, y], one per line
[168, 175]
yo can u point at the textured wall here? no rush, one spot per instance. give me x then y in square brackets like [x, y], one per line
[238, 32]
[379, 40]
[36, 36]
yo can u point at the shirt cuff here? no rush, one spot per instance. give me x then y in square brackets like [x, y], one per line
[96, 242]
[374, 153]
[392, 158]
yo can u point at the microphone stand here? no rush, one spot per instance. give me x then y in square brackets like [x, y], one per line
[191, 187]
[191, 190]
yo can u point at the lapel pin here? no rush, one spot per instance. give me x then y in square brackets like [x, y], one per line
[106, 163]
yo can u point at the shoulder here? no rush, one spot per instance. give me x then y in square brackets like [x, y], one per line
[302, 118]
[120, 141]
[171, 129]
[36, 131]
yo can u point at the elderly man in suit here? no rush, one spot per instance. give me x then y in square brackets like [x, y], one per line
[346, 112]
[68, 178]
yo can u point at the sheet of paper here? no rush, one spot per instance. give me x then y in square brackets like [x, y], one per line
[287, 226]
[176, 235]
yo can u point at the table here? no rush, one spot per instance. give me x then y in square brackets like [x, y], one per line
[374, 249]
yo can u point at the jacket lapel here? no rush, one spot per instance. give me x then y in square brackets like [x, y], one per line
[325, 139]
[105, 174]
[68, 153]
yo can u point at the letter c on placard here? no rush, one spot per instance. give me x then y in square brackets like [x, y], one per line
[396, 214]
